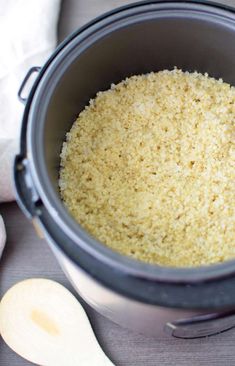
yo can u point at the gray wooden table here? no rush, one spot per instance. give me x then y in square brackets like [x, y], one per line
[27, 256]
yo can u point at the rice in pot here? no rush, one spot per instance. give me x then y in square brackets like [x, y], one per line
[148, 168]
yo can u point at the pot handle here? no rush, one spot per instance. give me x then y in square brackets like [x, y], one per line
[201, 325]
[25, 193]
[24, 82]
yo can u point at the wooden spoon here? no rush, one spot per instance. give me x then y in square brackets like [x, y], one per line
[44, 323]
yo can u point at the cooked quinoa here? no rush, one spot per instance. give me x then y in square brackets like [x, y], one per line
[148, 168]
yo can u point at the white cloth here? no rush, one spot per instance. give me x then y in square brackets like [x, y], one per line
[28, 35]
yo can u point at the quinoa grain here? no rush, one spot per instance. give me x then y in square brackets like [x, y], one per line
[148, 168]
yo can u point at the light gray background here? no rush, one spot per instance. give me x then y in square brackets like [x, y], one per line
[27, 256]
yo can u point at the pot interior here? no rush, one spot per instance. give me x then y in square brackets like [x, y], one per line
[191, 41]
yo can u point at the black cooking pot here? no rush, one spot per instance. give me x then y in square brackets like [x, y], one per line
[139, 38]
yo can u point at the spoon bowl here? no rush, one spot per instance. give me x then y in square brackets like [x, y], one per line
[45, 324]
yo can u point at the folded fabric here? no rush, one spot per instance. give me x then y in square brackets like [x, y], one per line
[28, 35]
[8, 148]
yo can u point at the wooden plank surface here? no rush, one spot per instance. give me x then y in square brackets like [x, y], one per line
[27, 256]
